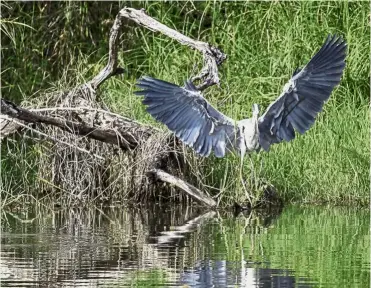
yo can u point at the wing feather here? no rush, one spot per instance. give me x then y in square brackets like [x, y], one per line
[305, 95]
[187, 113]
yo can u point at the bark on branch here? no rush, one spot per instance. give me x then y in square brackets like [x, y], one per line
[212, 55]
[112, 66]
[122, 138]
[188, 188]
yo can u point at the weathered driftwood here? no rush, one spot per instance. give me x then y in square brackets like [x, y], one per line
[122, 136]
[212, 55]
[188, 188]
[79, 112]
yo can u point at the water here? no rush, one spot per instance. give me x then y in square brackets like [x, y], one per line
[181, 247]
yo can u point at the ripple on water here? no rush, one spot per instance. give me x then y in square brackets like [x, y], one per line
[178, 247]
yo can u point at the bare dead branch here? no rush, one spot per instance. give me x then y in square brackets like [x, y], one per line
[85, 108]
[184, 186]
[112, 65]
[126, 142]
[212, 55]
[209, 73]
[53, 138]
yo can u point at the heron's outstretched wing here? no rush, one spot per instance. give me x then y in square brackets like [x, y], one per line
[186, 113]
[304, 95]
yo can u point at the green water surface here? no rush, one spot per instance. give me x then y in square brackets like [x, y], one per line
[186, 247]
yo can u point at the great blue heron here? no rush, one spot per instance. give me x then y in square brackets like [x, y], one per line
[199, 125]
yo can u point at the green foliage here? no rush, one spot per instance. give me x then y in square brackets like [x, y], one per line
[264, 41]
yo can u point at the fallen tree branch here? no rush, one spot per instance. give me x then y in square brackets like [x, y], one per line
[212, 55]
[187, 188]
[125, 141]
[51, 137]
[83, 108]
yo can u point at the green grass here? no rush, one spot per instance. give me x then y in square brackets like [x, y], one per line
[264, 42]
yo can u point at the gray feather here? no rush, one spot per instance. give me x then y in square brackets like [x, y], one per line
[298, 107]
[185, 112]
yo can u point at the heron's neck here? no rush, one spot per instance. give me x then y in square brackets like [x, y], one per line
[250, 133]
[255, 118]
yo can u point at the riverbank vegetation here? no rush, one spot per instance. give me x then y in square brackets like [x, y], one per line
[56, 46]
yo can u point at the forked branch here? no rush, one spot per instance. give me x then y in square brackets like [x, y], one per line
[212, 55]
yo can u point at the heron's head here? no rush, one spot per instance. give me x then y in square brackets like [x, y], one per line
[255, 110]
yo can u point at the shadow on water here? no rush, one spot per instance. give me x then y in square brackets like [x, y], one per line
[185, 247]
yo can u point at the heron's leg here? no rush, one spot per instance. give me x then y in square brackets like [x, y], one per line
[253, 179]
[247, 194]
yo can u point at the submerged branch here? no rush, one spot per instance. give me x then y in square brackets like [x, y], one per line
[177, 232]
